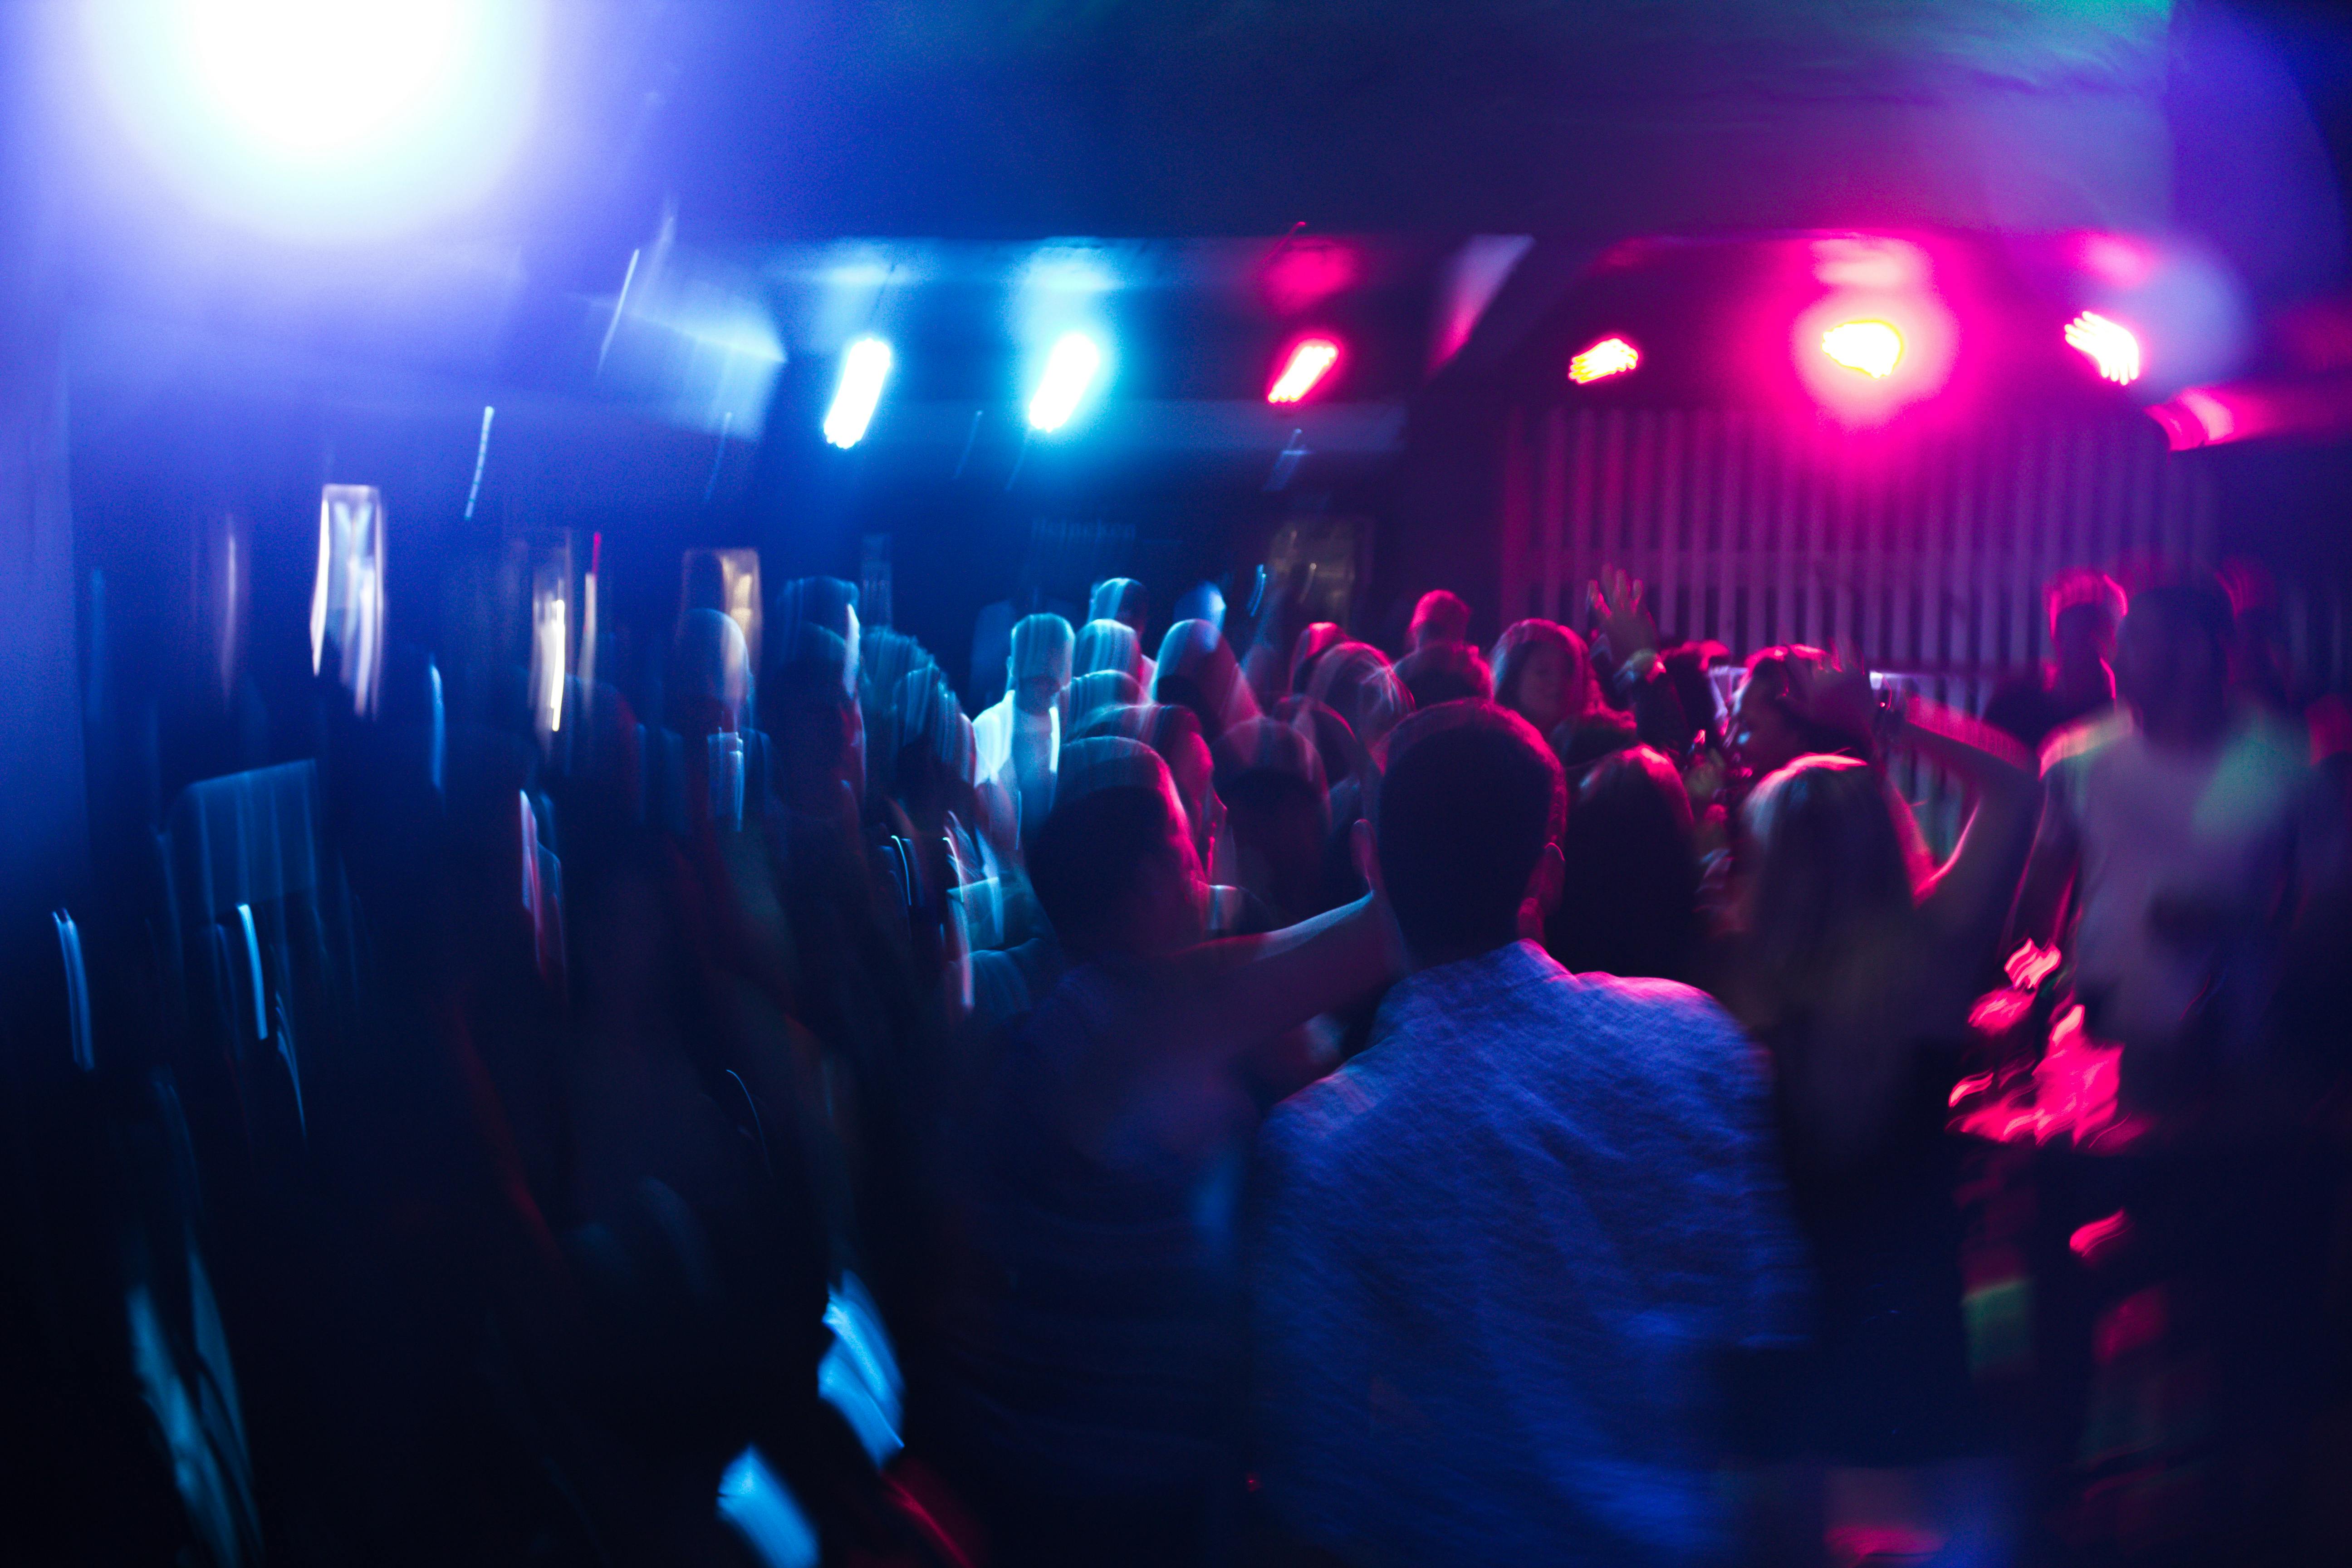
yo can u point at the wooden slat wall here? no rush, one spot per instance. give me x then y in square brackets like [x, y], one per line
[1928, 549]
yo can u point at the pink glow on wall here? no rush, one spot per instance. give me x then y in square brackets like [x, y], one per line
[1610, 356]
[1303, 273]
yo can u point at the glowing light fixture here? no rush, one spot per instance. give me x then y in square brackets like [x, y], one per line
[1610, 356]
[2109, 344]
[323, 117]
[864, 368]
[1308, 363]
[1069, 370]
[1874, 348]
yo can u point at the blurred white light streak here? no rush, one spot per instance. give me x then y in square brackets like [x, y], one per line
[864, 368]
[1069, 370]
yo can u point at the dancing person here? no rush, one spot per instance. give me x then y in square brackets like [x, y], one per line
[1020, 737]
[2084, 609]
[1094, 1343]
[1507, 1248]
[2185, 827]
[1857, 973]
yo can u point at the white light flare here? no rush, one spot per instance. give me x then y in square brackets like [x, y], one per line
[1308, 363]
[1874, 348]
[1610, 356]
[1069, 371]
[864, 368]
[2109, 345]
[323, 118]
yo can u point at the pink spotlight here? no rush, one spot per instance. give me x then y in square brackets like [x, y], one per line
[1874, 348]
[1308, 363]
[2109, 344]
[1610, 356]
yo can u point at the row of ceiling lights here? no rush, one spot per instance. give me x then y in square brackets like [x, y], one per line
[1874, 348]
[1070, 370]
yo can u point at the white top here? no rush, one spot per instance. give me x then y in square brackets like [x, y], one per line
[2186, 865]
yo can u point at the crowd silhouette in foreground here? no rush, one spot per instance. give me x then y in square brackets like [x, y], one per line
[1292, 1106]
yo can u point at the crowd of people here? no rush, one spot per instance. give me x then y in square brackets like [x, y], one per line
[1298, 1106]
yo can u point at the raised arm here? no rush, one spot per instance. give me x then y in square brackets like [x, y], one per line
[1972, 893]
[1230, 994]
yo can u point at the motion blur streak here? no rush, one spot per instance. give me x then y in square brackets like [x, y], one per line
[1610, 356]
[1874, 348]
[1069, 372]
[864, 368]
[1310, 362]
[2109, 344]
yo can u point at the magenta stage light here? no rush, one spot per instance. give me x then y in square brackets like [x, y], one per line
[1308, 365]
[1874, 348]
[2109, 345]
[1610, 356]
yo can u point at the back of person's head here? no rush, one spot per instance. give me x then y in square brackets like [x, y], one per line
[1116, 833]
[1278, 811]
[1198, 670]
[1445, 672]
[1203, 601]
[825, 601]
[1826, 874]
[711, 685]
[1109, 645]
[1356, 682]
[2175, 642]
[1092, 692]
[1539, 648]
[1629, 896]
[2081, 590]
[808, 705]
[1317, 639]
[1119, 599]
[1470, 799]
[1440, 616]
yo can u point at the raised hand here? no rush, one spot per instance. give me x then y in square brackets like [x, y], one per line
[1626, 618]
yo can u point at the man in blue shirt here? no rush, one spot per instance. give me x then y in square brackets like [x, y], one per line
[1509, 1251]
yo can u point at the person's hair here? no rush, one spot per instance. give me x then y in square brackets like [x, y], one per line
[1832, 955]
[1119, 599]
[1318, 639]
[1773, 666]
[1629, 904]
[1516, 649]
[1092, 692]
[2077, 586]
[1084, 862]
[1445, 672]
[1356, 682]
[2193, 600]
[1440, 616]
[1470, 799]
[1107, 645]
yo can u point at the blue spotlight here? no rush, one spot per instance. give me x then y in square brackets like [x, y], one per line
[1069, 370]
[864, 368]
[323, 118]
